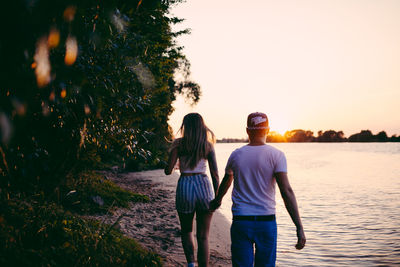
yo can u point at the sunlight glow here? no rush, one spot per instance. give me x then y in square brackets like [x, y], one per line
[54, 38]
[71, 51]
[69, 13]
[280, 126]
[42, 63]
[293, 61]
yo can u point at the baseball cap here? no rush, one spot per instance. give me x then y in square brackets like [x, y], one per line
[257, 120]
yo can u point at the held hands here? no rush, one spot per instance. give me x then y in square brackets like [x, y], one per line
[214, 204]
[301, 239]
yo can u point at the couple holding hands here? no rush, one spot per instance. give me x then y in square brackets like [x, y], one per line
[254, 169]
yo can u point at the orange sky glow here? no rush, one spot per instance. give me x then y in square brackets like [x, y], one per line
[313, 65]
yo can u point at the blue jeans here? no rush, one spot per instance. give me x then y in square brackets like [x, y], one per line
[246, 234]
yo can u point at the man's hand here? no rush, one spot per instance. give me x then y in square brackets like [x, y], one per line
[301, 239]
[214, 204]
[225, 184]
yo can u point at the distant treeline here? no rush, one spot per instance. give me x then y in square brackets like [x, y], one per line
[295, 136]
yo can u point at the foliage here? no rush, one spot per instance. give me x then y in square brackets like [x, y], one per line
[90, 192]
[300, 135]
[336, 136]
[331, 136]
[33, 234]
[86, 80]
[367, 136]
[83, 85]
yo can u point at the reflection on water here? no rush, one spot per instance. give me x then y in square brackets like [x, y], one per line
[349, 201]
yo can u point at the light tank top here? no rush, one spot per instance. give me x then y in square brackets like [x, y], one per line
[201, 166]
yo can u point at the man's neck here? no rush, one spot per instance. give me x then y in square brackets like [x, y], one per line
[257, 141]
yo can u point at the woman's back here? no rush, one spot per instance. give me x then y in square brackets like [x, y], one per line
[184, 167]
[194, 191]
[186, 161]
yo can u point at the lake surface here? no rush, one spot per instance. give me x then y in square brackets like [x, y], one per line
[349, 201]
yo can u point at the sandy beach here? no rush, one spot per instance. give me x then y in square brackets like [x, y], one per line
[156, 225]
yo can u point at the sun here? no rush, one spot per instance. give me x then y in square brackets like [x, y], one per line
[279, 126]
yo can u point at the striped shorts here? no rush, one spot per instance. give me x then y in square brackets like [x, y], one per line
[193, 193]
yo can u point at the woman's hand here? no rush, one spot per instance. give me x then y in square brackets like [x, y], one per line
[214, 204]
[172, 159]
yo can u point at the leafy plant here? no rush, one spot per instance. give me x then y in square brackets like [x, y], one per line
[83, 84]
[90, 192]
[33, 234]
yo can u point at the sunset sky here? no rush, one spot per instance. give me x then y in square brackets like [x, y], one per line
[313, 65]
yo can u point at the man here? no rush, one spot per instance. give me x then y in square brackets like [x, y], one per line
[254, 170]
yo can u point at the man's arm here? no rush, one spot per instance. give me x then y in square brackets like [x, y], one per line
[173, 157]
[212, 163]
[223, 188]
[291, 205]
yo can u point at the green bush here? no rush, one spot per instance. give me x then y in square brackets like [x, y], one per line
[90, 192]
[84, 84]
[33, 234]
[110, 102]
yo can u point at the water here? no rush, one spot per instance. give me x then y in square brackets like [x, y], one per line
[349, 200]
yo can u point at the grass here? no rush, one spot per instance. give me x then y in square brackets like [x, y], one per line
[52, 233]
[89, 192]
[44, 234]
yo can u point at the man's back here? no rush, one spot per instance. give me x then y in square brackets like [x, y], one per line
[254, 170]
[254, 182]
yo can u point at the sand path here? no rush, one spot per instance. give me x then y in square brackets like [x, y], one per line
[156, 225]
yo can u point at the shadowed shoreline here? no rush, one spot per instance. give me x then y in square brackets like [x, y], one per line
[156, 225]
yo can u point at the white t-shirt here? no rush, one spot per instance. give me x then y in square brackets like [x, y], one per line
[254, 182]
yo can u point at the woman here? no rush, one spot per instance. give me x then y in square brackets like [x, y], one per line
[193, 194]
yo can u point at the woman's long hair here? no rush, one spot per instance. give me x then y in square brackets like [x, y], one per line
[197, 139]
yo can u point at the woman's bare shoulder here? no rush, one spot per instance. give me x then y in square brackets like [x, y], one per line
[175, 143]
[210, 147]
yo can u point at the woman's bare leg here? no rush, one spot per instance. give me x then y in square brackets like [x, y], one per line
[186, 220]
[203, 220]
